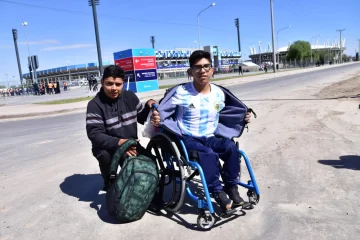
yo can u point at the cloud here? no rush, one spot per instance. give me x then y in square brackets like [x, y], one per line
[42, 42]
[67, 47]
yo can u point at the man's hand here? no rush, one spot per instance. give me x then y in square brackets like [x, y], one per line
[247, 117]
[131, 151]
[150, 103]
[155, 118]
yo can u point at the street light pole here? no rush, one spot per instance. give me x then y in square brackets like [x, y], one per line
[341, 30]
[198, 21]
[93, 3]
[15, 36]
[7, 80]
[272, 33]
[67, 62]
[27, 43]
[277, 42]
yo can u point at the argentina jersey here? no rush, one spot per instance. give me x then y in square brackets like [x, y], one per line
[197, 114]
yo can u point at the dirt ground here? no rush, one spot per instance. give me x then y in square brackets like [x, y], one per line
[307, 156]
[347, 88]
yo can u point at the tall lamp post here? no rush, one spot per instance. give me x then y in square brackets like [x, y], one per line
[68, 65]
[277, 42]
[341, 30]
[27, 43]
[311, 58]
[198, 21]
[7, 80]
[272, 34]
[93, 4]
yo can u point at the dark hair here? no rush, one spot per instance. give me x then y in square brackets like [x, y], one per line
[113, 71]
[197, 55]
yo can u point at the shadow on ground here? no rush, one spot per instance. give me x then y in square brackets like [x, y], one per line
[86, 187]
[351, 162]
[189, 207]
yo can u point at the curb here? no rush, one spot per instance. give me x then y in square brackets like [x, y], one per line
[35, 114]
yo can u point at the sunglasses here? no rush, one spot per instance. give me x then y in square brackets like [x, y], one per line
[206, 67]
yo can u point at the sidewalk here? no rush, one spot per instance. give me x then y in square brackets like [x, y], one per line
[32, 110]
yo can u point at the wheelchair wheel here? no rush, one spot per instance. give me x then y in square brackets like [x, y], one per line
[205, 221]
[253, 197]
[171, 170]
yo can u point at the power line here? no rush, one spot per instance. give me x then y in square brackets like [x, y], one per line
[103, 15]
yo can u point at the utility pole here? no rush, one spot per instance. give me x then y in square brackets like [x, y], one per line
[93, 4]
[272, 33]
[15, 36]
[341, 30]
[237, 25]
[152, 40]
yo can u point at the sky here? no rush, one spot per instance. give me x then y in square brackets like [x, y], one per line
[62, 32]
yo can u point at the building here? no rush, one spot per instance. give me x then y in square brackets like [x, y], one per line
[281, 54]
[170, 63]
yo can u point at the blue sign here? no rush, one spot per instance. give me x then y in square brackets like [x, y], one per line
[146, 86]
[145, 75]
[132, 86]
[123, 54]
[131, 75]
[143, 52]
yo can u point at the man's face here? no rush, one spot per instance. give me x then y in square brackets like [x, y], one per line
[112, 87]
[202, 71]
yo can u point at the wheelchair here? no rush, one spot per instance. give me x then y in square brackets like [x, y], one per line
[177, 168]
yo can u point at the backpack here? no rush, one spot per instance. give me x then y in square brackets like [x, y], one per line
[132, 190]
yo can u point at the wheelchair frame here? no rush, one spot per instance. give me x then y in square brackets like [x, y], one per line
[206, 217]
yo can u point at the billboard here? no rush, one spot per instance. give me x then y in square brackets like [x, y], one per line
[144, 63]
[145, 75]
[140, 69]
[126, 64]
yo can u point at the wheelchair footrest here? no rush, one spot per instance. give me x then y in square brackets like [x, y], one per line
[228, 212]
[247, 206]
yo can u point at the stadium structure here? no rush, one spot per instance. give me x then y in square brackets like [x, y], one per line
[260, 57]
[170, 63]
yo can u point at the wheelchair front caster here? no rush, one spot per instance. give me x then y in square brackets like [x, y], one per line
[253, 197]
[205, 221]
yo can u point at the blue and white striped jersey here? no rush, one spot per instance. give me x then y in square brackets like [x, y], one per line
[197, 114]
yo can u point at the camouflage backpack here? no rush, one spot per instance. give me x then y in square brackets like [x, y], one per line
[132, 190]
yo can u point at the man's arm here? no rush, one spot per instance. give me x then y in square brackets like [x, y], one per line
[95, 128]
[143, 111]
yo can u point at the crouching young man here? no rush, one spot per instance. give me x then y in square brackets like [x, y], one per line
[207, 117]
[112, 118]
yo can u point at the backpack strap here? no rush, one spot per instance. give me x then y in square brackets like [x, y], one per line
[118, 155]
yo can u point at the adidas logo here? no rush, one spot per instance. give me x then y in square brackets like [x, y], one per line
[191, 106]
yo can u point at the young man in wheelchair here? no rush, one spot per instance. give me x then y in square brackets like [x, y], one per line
[112, 118]
[207, 117]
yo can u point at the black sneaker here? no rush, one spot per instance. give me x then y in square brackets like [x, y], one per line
[222, 199]
[234, 195]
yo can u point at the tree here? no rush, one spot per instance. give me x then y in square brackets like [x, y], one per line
[299, 50]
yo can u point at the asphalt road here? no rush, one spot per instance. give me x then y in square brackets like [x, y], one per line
[50, 182]
[77, 92]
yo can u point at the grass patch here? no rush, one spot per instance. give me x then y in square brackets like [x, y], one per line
[64, 101]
